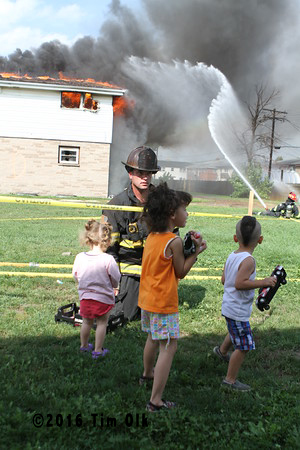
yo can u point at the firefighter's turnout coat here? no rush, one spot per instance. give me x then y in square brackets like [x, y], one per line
[129, 234]
[282, 209]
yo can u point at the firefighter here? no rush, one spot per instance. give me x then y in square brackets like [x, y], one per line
[286, 209]
[129, 233]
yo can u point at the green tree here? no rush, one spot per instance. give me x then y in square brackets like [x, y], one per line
[254, 175]
[165, 177]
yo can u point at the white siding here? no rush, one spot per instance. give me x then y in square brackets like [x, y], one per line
[37, 114]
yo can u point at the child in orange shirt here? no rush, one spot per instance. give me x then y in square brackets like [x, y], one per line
[162, 265]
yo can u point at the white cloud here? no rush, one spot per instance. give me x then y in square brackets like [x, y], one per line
[27, 38]
[70, 12]
[26, 24]
[14, 12]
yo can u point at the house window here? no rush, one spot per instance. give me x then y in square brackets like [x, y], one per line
[89, 103]
[70, 99]
[68, 156]
[79, 100]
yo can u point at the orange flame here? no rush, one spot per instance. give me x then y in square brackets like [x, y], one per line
[88, 80]
[89, 103]
[27, 77]
[121, 105]
[71, 99]
[62, 77]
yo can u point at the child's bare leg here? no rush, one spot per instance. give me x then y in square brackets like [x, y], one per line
[226, 344]
[162, 370]
[101, 331]
[150, 352]
[85, 331]
[234, 365]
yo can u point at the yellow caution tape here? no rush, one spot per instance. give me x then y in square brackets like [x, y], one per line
[34, 264]
[49, 218]
[125, 268]
[47, 202]
[69, 275]
[38, 274]
[198, 214]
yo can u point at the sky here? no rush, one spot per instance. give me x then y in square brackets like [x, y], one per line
[26, 24]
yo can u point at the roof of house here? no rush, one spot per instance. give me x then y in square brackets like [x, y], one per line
[175, 164]
[60, 84]
[215, 164]
[287, 162]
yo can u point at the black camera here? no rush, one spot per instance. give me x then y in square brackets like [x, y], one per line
[188, 245]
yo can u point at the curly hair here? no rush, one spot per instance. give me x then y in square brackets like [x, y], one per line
[97, 233]
[161, 204]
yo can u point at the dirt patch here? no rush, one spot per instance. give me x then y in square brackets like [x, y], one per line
[231, 202]
[297, 355]
[21, 313]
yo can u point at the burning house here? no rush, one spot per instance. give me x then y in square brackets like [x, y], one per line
[56, 134]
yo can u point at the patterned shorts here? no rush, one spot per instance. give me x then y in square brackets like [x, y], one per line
[240, 334]
[161, 326]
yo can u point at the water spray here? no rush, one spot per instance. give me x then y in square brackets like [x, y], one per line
[226, 94]
[237, 170]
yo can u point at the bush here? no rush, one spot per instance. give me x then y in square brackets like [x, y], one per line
[165, 178]
[254, 175]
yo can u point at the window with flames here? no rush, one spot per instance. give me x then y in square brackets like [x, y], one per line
[79, 100]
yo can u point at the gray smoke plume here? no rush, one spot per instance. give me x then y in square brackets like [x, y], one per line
[240, 38]
[155, 55]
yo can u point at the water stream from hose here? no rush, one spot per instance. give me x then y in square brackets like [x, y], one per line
[220, 109]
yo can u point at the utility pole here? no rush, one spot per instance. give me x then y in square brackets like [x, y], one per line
[273, 117]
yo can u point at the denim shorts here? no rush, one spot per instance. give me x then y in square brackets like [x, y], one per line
[160, 326]
[240, 334]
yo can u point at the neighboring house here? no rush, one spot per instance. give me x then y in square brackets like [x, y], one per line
[55, 135]
[217, 170]
[176, 169]
[286, 171]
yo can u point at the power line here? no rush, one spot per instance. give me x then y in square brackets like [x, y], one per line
[275, 116]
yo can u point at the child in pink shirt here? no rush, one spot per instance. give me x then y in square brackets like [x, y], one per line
[98, 275]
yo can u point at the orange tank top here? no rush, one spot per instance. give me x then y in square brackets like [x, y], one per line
[158, 286]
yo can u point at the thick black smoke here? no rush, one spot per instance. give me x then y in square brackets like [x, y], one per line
[245, 39]
[237, 37]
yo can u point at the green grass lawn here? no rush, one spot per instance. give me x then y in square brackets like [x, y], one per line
[42, 372]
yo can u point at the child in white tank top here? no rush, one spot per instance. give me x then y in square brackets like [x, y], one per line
[239, 284]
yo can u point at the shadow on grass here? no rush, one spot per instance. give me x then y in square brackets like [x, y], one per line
[7, 294]
[47, 375]
[191, 295]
